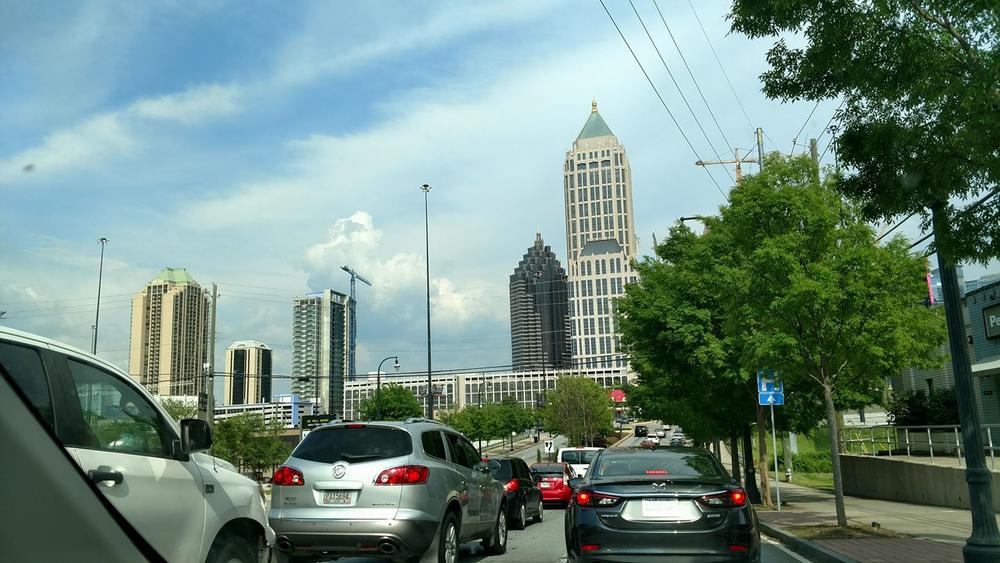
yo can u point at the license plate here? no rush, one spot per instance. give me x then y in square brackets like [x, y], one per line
[338, 497]
[545, 485]
[661, 508]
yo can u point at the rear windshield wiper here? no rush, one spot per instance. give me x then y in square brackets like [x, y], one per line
[360, 457]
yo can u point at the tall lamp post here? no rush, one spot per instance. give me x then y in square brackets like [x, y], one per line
[427, 254]
[100, 274]
[378, 385]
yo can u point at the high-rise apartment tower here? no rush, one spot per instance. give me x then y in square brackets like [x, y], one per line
[169, 334]
[539, 311]
[320, 333]
[600, 240]
[248, 373]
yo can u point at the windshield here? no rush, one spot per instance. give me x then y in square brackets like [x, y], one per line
[656, 463]
[579, 457]
[354, 445]
[548, 469]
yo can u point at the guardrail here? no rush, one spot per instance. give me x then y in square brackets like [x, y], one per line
[941, 444]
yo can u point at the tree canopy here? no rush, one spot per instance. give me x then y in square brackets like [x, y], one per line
[579, 409]
[178, 409]
[398, 403]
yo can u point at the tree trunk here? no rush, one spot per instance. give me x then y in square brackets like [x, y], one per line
[838, 480]
[765, 483]
[734, 454]
[750, 479]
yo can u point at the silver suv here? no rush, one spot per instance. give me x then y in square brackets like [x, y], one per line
[385, 489]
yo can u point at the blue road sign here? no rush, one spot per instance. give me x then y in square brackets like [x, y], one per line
[770, 388]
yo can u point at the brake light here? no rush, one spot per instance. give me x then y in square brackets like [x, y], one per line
[286, 476]
[738, 548]
[587, 498]
[510, 486]
[403, 475]
[354, 425]
[656, 472]
[589, 547]
[732, 499]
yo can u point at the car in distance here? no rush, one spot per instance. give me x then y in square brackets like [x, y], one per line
[677, 439]
[661, 433]
[190, 506]
[385, 489]
[578, 458]
[553, 481]
[641, 430]
[524, 498]
[659, 505]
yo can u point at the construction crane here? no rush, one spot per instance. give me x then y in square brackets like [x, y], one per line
[353, 337]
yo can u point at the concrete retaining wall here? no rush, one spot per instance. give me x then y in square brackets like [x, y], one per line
[919, 483]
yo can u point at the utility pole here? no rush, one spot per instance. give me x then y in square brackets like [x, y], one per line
[984, 543]
[814, 154]
[760, 148]
[210, 383]
[737, 161]
[100, 274]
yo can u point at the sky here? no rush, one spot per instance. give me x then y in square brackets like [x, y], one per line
[261, 145]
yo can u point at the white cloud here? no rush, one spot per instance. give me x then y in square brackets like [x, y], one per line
[193, 105]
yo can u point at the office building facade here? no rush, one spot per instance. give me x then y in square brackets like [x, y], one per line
[169, 334]
[320, 332]
[600, 241]
[248, 373]
[539, 311]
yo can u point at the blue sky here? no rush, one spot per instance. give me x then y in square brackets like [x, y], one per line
[261, 145]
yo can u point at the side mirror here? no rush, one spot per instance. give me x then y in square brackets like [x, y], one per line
[196, 435]
[482, 467]
[574, 482]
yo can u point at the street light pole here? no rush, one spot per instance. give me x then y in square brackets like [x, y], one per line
[100, 274]
[427, 254]
[378, 385]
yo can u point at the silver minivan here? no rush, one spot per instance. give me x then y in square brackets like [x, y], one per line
[385, 489]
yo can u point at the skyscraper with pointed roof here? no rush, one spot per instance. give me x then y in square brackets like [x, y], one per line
[539, 311]
[600, 240]
[169, 334]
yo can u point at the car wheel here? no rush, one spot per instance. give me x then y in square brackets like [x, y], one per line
[448, 541]
[521, 520]
[541, 513]
[234, 548]
[496, 544]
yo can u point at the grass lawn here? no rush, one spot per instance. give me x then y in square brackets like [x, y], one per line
[836, 533]
[821, 481]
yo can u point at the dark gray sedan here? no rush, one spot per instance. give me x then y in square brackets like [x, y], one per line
[670, 505]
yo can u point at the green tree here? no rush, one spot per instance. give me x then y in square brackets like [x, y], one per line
[179, 409]
[250, 443]
[579, 409]
[398, 403]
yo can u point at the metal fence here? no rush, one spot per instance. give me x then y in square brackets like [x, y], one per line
[941, 445]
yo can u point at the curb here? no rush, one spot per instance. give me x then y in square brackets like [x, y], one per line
[811, 550]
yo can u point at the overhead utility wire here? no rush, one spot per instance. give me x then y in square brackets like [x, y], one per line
[795, 141]
[896, 226]
[681, 92]
[968, 209]
[729, 146]
[670, 113]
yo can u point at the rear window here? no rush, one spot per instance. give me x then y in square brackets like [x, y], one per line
[657, 463]
[501, 469]
[354, 445]
[548, 469]
[579, 456]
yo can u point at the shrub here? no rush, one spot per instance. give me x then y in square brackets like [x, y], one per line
[813, 462]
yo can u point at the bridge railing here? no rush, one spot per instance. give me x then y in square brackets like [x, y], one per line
[941, 444]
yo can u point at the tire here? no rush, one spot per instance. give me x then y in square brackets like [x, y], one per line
[541, 513]
[521, 518]
[496, 544]
[447, 551]
[234, 548]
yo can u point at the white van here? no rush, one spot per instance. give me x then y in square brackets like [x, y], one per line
[578, 458]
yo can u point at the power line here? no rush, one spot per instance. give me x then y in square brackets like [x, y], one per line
[803, 128]
[832, 117]
[896, 226]
[968, 209]
[663, 103]
[679, 91]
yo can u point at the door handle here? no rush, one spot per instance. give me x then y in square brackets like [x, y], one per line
[100, 475]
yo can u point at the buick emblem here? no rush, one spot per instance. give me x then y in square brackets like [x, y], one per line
[339, 471]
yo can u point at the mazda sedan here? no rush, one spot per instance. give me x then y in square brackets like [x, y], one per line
[661, 505]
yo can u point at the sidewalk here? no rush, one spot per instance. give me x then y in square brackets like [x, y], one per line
[938, 533]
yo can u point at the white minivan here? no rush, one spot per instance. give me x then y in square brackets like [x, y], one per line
[190, 506]
[578, 458]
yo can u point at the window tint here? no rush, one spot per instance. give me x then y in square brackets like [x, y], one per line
[521, 469]
[354, 445]
[657, 463]
[552, 469]
[501, 469]
[433, 446]
[24, 366]
[579, 456]
[471, 452]
[458, 454]
[115, 416]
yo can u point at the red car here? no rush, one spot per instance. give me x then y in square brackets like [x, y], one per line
[553, 480]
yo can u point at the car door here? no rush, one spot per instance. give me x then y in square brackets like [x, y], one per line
[115, 431]
[533, 495]
[469, 495]
[486, 487]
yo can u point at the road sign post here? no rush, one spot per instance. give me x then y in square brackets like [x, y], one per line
[771, 392]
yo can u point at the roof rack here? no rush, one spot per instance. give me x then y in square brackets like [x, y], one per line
[414, 419]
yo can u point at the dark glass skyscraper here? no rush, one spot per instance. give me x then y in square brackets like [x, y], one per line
[539, 311]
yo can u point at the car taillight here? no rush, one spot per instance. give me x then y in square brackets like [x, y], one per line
[510, 486]
[354, 425]
[286, 476]
[732, 499]
[403, 475]
[588, 498]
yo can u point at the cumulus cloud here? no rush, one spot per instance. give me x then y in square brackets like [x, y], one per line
[193, 105]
